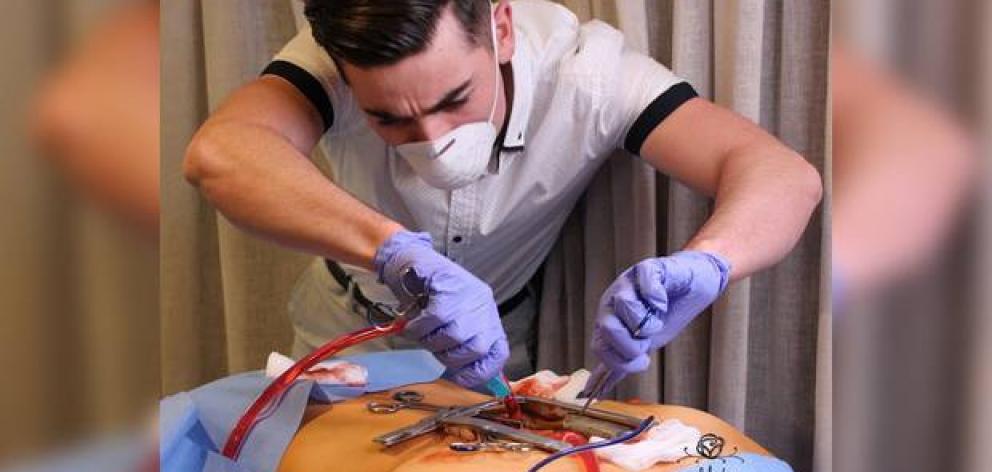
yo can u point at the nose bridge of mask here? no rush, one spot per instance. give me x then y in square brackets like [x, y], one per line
[445, 144]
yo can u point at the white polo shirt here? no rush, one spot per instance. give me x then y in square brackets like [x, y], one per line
[578, 95]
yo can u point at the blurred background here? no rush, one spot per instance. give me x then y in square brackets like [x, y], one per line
[910, 235]
[81, 337]
[79, 273]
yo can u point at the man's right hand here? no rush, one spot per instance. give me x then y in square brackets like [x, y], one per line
[460, 323]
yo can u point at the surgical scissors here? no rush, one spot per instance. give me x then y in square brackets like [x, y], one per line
[404, 312]
[404, 399]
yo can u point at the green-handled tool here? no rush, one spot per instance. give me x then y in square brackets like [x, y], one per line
[499, 386]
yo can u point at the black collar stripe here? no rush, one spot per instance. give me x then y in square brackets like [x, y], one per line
[307, 84]
[655, 113]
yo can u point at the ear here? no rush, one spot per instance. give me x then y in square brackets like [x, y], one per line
[503, 15]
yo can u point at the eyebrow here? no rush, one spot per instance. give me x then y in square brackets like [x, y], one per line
[447, 100]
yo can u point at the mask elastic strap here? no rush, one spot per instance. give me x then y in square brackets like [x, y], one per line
[499, 79]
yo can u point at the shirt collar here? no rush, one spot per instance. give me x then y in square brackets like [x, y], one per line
[523, 95]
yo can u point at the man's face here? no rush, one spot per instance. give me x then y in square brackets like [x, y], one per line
[449, 84]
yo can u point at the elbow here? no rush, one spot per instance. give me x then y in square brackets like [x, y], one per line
[204, 159]
[54, 122]
[193, 161]
[809, 182]
[957, 154]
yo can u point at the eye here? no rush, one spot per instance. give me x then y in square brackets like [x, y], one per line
[390, 122]
[456, 104]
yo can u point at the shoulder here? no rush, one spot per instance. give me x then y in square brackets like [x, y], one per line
[584, 55]
[308, 67]
[545, 25]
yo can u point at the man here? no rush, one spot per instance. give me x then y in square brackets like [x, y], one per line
[460, 134]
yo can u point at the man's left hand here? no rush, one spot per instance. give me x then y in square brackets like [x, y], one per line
[651, 303]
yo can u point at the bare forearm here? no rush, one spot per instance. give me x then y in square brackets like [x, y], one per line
[764, 200]
[264, 185]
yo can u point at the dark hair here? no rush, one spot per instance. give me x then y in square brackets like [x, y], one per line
[368, 33]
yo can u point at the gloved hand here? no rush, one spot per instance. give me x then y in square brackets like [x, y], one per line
[460, 324]
[651, 303]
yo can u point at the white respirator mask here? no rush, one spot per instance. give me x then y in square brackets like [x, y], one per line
[462, 155]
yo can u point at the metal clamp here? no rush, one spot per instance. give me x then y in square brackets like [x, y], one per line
[490, 446]
[480, 418]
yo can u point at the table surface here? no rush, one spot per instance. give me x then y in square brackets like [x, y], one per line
[339, 437]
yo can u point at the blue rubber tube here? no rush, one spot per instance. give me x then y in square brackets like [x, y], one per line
[596, 445]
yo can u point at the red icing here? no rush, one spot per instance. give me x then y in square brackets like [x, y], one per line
[587, 458]
[512, 408]
[533, 387]
[570, 437]
[334, 374]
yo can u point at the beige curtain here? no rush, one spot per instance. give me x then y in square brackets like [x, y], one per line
[224, 292]
[78, 333]
[754, 363]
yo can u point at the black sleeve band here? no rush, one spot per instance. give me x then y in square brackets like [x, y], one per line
[307, 84]
[655, 113]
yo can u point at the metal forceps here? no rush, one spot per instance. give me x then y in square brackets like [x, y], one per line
[409, 399]
[597, 389]
[404, 399]
[404, 313]
[599, 383]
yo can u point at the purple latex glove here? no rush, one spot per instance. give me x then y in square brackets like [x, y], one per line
[649, 305]
[460, 324]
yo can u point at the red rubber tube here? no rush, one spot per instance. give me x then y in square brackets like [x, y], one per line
[274, 391]
[588, 459]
